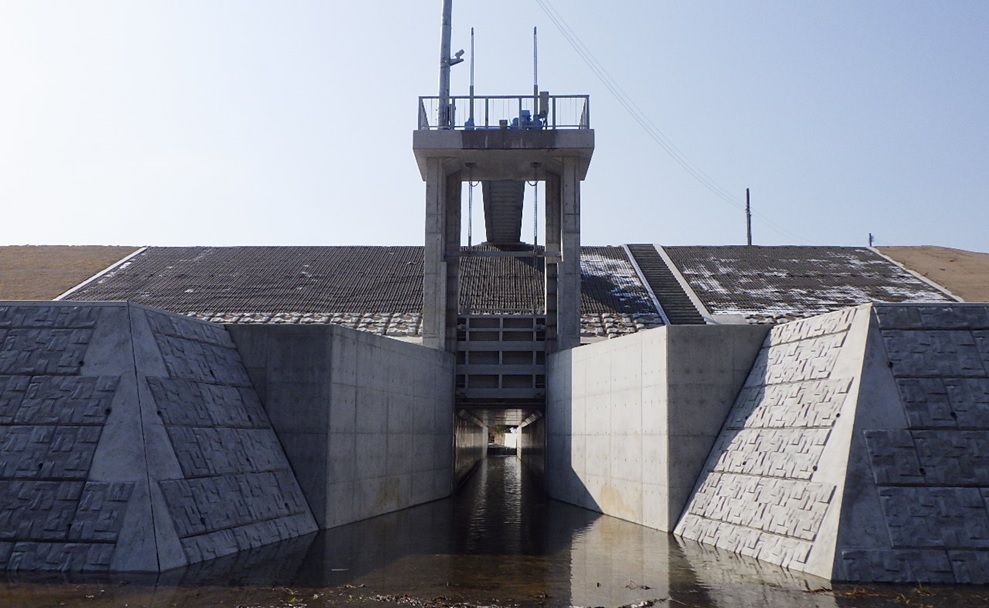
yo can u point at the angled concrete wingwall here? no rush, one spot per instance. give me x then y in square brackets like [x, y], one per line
[132, 440]
[630, 421]
[780, 461]
[916, 502]
[857, 449]
[366, 421]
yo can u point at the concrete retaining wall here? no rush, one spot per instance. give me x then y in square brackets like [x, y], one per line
[779, 463]
[470, 445]
[366, 421]
[532, 446]
[132, 440]
[916, 499]
[857, 449]
[630, 421]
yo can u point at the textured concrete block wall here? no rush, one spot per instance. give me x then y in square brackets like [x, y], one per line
[132, 440]
[768, 487]
[52, 418]
[857, 449]
[366, 421]
[923, 473]
[630, 421]
[236, 490]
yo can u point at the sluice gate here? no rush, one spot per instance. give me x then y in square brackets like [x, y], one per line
[501, 366]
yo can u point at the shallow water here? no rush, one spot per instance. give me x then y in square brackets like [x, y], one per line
[498, 542]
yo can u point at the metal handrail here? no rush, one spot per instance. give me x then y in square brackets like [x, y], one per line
[524, 112]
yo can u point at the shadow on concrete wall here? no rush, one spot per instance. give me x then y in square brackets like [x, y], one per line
[562, 479]
[470, 446]
[532, 449]
[632, 420]
[366, 421]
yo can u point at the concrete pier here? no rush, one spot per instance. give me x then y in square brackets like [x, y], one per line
[558, 153]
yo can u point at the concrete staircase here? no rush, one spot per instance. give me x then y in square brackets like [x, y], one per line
[675, 302]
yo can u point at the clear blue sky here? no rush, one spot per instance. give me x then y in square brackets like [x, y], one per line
[237, 122]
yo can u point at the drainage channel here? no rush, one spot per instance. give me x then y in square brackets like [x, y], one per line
[498, 542]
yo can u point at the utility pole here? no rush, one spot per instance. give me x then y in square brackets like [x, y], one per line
[445, 33]
[446, 109]
[748, 217]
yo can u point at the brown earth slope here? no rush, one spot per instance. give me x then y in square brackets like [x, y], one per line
[963, 273]
[32, 272]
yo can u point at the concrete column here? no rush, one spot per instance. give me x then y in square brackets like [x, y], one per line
[568, 281]
[434, 292]
[451, 240]
[552, 259]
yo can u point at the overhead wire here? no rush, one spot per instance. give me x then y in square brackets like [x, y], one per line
[650, 128]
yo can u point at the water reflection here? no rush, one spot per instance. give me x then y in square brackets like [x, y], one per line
[500, 542]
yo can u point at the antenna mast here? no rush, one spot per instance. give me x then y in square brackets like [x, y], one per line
[535, 72]
[472, 76]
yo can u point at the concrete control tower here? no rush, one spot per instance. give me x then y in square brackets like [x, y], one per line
[502, 141]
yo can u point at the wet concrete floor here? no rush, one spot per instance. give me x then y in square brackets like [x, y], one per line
[498, 542]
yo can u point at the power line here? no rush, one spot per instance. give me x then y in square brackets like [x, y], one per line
[650, 128]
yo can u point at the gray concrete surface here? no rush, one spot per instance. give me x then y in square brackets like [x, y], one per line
[366, 421]
[851, 446]
[503, 154]
[921, 473]
[446, 158]
[132, 440]
[531, 448]
[470, 445]
[769, 484]
[630, 421]
[857, 449]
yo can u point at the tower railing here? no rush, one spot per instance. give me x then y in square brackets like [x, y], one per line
[508, 111]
